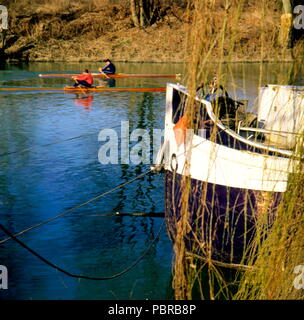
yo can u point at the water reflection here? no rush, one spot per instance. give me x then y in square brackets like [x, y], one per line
[110, 82]
[84, 100]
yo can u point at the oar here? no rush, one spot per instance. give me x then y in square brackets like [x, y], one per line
[100, 70]
[105, 75]
[79, 86]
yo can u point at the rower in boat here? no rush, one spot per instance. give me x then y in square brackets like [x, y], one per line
[109, 68]
[84, 80]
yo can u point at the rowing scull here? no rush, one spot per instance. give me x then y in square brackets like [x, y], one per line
[81, 89]
[117, 75]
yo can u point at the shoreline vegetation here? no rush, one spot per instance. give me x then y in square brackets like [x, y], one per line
[74, 31]
[273, 241]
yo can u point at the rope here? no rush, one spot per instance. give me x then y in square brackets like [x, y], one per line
[47, 144]
[76, 207]
[134, 214]
[52, 143]
[49, 263]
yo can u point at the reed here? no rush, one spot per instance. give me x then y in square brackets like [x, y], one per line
[276, 261]
[275, 249]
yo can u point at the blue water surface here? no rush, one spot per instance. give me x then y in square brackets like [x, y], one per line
[39, 182]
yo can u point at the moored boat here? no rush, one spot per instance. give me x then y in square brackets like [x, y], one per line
[223, 173]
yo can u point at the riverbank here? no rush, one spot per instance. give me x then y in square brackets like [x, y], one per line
[58, 32]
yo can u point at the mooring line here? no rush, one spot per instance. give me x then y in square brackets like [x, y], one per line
[49, 263]
[76, 207]
[132, 214]
[53, 143]
[47, 144]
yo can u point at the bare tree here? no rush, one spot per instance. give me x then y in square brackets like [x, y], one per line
[144, 12]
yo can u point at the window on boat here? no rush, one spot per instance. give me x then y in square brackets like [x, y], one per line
[178, 105]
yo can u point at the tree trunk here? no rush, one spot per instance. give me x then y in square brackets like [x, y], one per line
[134, 13]
[287, 6]
[144, 12]
[286, 31]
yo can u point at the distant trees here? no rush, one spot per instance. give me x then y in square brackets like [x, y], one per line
[144, 12]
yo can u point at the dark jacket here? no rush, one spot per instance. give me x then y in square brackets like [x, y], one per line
[109, 69]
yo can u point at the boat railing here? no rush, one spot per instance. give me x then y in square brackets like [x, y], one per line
[231, 132]
[265, 131]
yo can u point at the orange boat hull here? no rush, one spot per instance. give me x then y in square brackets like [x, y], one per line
[117, 75]
[98, 89]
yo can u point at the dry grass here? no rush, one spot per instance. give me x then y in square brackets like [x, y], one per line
[275, 260]
[249, 24]
[224, 35]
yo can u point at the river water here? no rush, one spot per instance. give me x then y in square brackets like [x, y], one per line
[43, 173]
